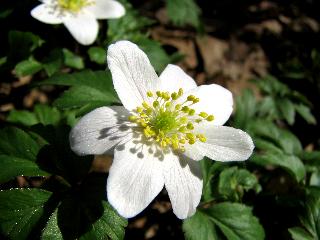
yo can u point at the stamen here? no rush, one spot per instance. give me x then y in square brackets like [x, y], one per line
[170, 124]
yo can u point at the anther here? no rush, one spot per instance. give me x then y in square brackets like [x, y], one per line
[210, 118]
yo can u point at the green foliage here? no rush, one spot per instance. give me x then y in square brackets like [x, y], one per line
[27, 67]
[235, 221]
[72, 60]
[274, 145]
[21, 210]
[183, 12]
[282, 102]
[73, 205]
[233, 182]
[41, 114]
[88, 90]
[22, 44]
[310, 219]
[18, 154]
[97, 55]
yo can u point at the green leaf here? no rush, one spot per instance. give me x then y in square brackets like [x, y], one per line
[53, 62]
[18, 154]
[52, 231]
[3, 60]
[21, 210]
[158, 57]
[183, 12]
[97, 55]
[305, 113]
[287, 109]
[310, 219]
[267, 107]
[17, 143]
[234, 220]
[85, 214]
[245, 109]
[47, 115]
[290, 163]
[233, 182]
[88, 88]
[282, 138]
[129, 26]
[77, 97]
[23, 117]
[199, 227]
[22, 44]
[27, 67]
[311, 158]
[14, 166]
[72, 60]
[298, 233]
[42, 114]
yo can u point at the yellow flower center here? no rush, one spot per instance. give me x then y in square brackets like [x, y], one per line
[73, 5]
[169, 122]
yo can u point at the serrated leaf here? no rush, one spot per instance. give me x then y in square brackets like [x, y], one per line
[17, 143]
[100, 80]
[21, 210]
[22, 44]
[199, 227]
[52, 231]
[18, 154]
[42, 114]
[183, 12]
[92, 88]
[246, 109]
[86, 215]
[23, 117]
[47, 115]
[97, 55]
[27, 67]
[158, 57]
[77, 97]
[290, 163]
[305, 113]
[298, 233]
[310, 219]
[129, 26]
[72, 60]
[53, 62]
[287, 109]
[234, 220]
[14, 166]
[284, 139]
[233, 182]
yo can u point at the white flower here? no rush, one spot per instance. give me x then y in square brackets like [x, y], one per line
[78, 16]
[165, 126]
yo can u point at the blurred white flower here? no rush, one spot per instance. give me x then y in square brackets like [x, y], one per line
[165, 126]
[79, 16]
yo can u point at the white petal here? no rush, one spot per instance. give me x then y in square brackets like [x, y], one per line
[83, 27]
[46, 14]
[193, 152]
[215, 100]
[100, 130]
[183, 181]
[132, 73]
[135, 178]
[173, 78]
[225, 143]
[103, 9]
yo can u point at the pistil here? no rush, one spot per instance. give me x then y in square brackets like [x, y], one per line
[169, 122]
